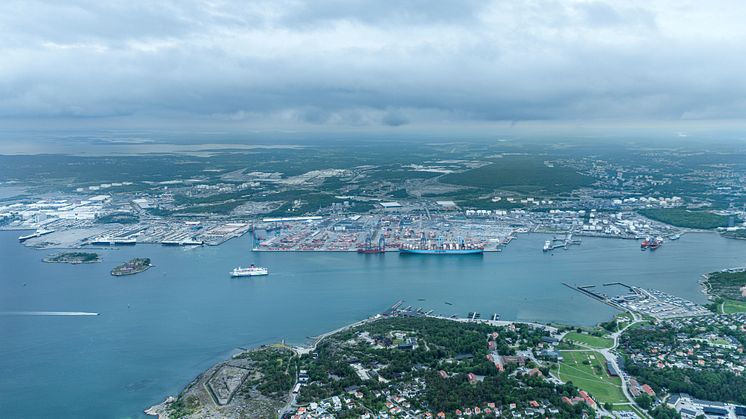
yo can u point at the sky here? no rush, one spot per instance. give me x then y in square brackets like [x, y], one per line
[377, 65]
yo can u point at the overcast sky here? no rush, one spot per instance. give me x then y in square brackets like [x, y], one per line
[372, 63]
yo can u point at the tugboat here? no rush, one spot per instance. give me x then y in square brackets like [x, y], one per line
[250, 271]
[645, 244]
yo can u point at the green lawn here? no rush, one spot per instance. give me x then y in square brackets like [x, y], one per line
[733, 306]
[593, 377]
[589, 340]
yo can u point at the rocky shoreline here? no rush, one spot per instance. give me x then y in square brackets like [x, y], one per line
[132, 267]
[73, 258]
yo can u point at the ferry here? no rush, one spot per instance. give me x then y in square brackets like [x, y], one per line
[250, 271]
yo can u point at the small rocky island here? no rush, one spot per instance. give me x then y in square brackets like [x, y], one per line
[74, 258]
[134, 266]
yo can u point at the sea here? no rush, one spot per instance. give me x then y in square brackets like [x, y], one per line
[156, 331]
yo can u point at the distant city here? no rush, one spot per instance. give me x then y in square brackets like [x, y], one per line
[432, 201]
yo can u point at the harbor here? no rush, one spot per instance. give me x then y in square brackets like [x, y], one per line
[647, 302]
[147, 363]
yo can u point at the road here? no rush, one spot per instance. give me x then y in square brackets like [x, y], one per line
[610, 355]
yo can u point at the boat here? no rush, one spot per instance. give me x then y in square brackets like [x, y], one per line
[441, 251]
[547, 245]
[369, 249]
[645, 244]
[184, 242]
[250, 271]
[113, 241]
[658, 242]
[38, 233]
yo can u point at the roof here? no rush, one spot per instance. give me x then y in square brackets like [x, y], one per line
[715, 411]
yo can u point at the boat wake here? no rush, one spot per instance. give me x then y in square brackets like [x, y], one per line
[46, 313]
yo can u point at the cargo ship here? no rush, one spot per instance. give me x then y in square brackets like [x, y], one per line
[369, 249]
[113, 241]
[250, 271]
[440, 247]
[38, 233]
[651, 244]
[184, 242]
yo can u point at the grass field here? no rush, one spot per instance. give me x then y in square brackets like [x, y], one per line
[733, 306]
[681, 217]
[520, 174]
[589, 340]
[591, 377]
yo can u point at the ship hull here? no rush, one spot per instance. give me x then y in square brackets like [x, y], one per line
[441, 251]
[370, 251]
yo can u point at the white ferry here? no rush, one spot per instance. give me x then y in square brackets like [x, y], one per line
[250, 271]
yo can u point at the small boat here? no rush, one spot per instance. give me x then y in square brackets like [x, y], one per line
[250, 271]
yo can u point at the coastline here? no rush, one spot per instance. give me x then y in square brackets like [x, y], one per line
[66, 258]
[160, 410]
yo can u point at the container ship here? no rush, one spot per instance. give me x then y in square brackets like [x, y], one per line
[440, 247]
[250, 271]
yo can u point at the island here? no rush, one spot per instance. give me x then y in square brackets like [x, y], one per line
[74, 258]
[134, 266]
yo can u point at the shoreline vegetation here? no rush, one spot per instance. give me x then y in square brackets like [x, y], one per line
[264, 380]
[726, 289]
[680, 217]
[73, 258]
[132, 267]
[261, 380]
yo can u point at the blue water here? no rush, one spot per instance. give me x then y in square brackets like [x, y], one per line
[159, 329]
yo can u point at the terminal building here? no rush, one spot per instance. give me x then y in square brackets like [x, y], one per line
[689, 408]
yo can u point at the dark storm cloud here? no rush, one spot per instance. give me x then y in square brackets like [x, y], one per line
[368, 63]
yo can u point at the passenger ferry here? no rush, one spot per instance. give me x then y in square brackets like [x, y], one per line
[250, 271]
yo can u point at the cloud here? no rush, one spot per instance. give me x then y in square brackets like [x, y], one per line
[367, 63]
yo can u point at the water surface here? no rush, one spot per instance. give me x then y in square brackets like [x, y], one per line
[157, 330]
